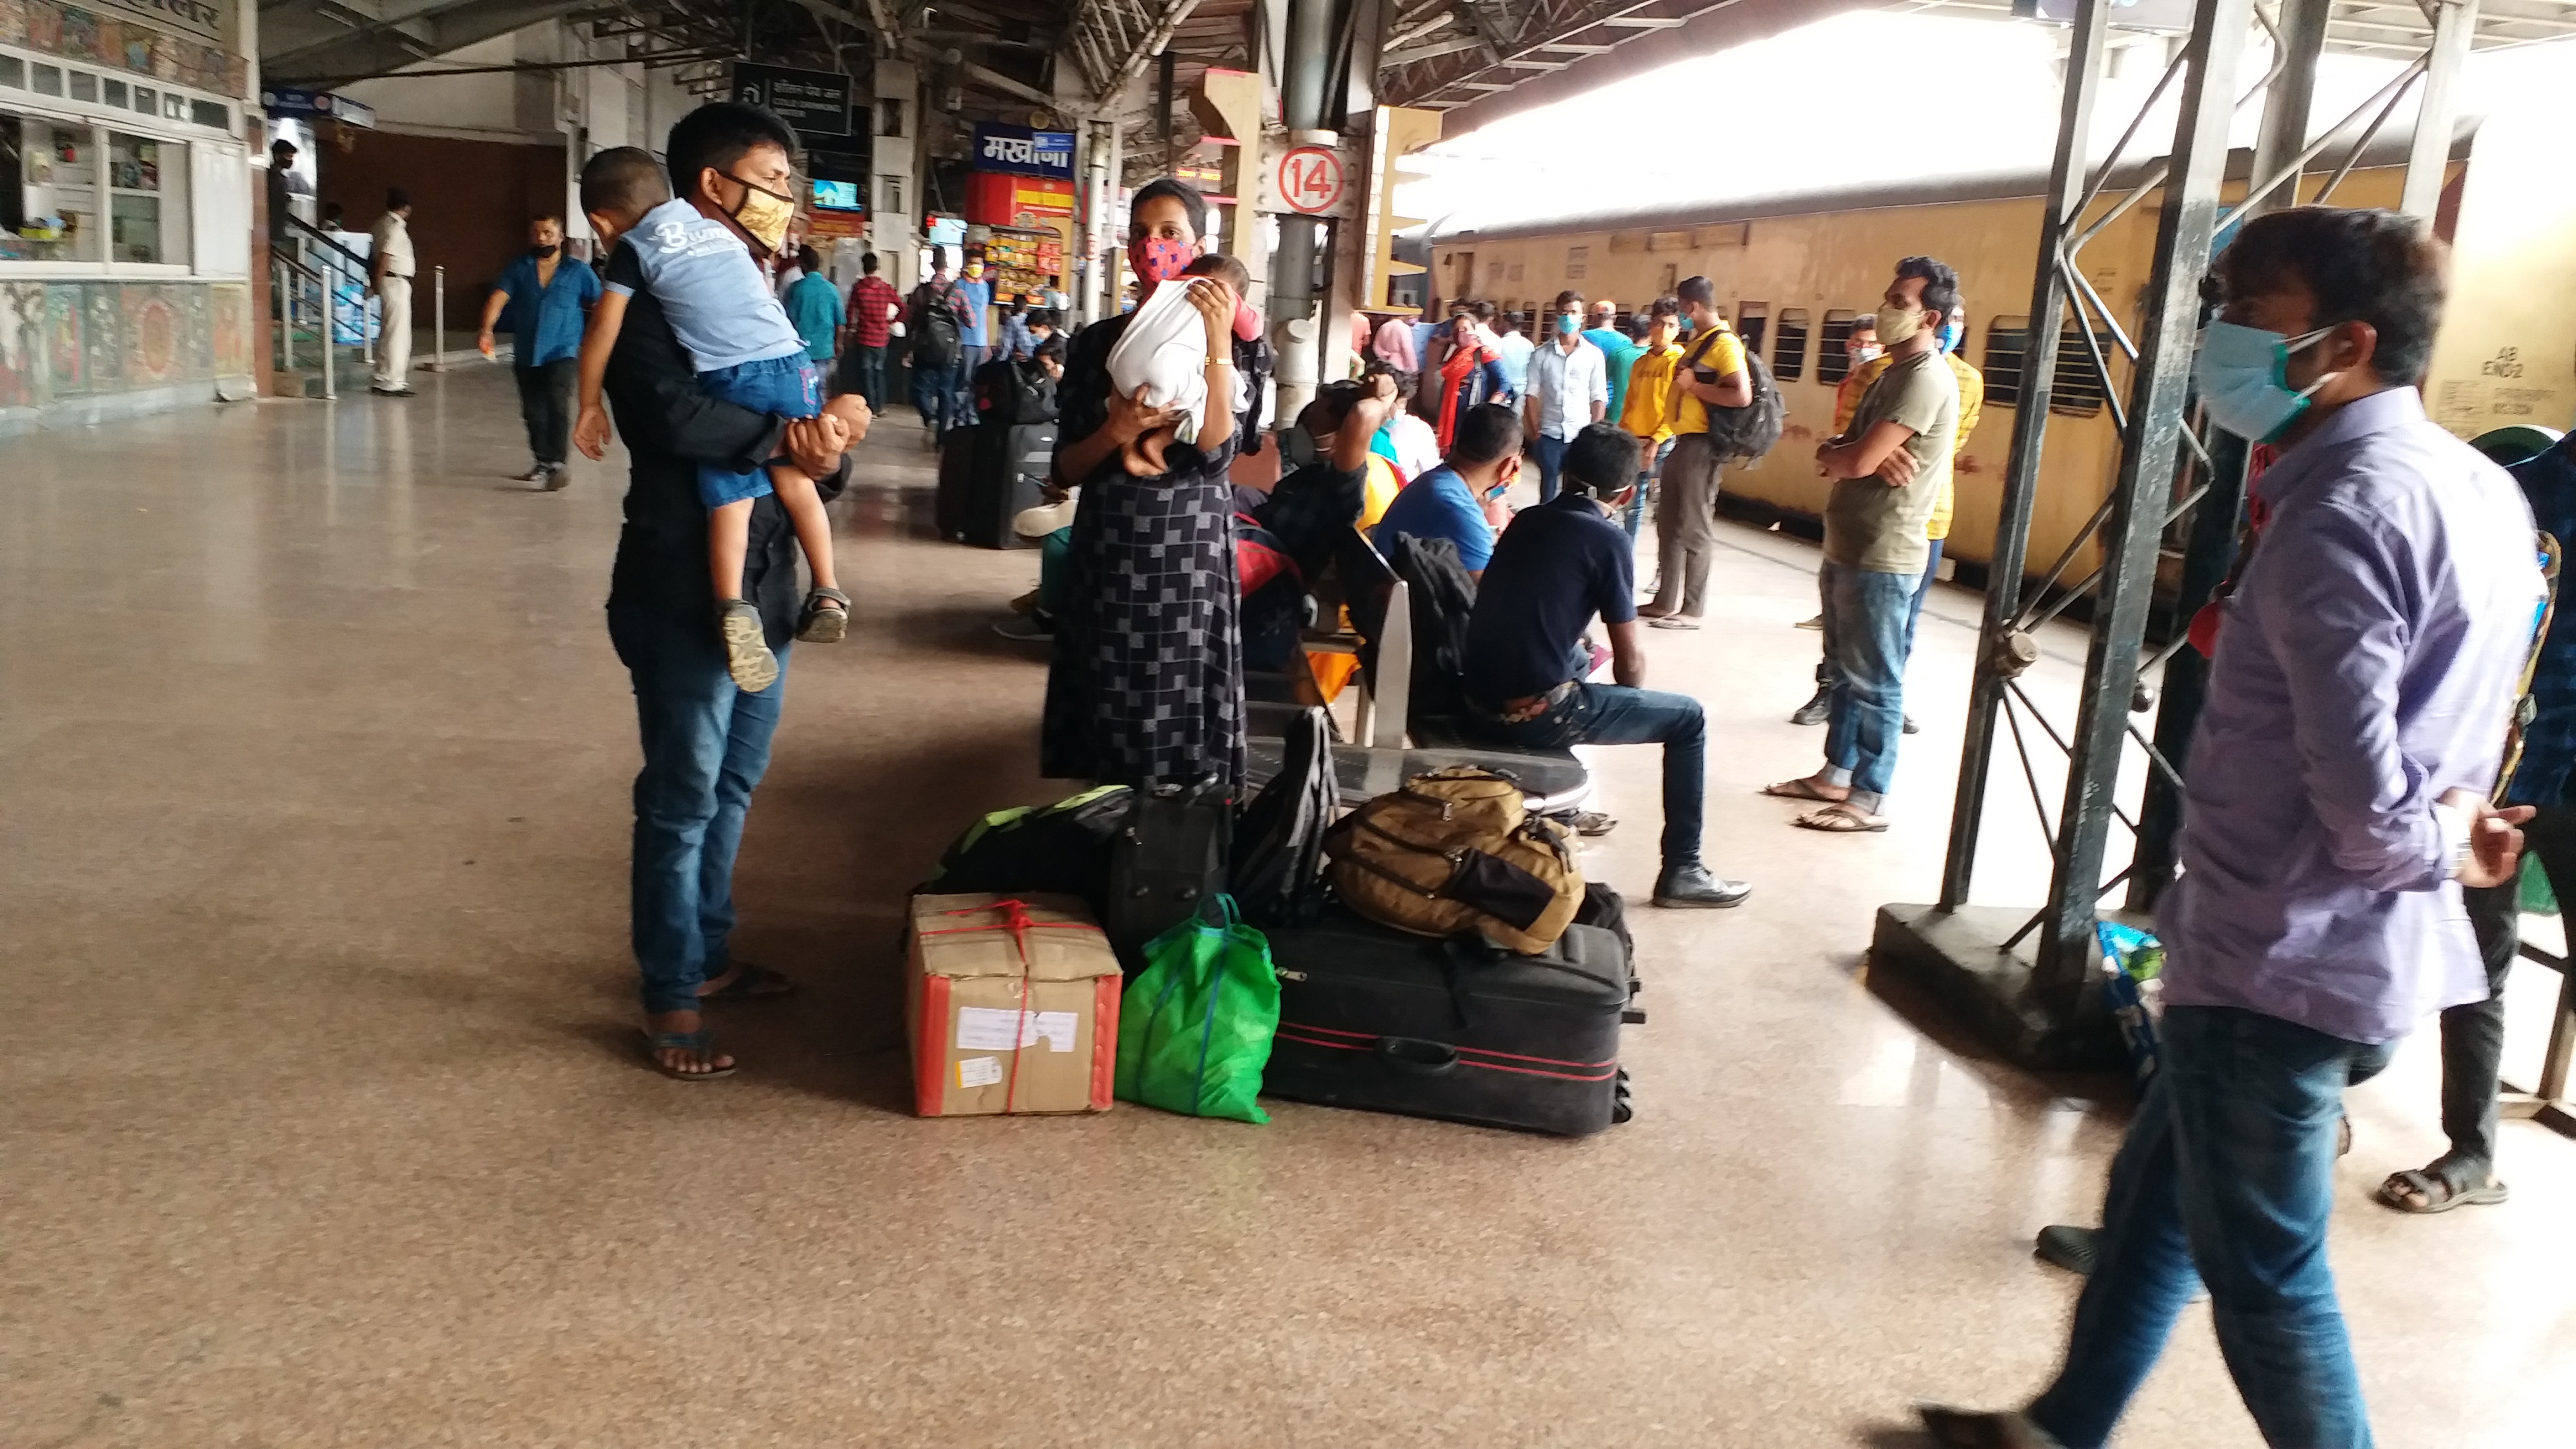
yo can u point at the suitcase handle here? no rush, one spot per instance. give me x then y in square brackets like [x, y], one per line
[1413, 1054]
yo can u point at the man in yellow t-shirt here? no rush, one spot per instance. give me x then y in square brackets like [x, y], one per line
[1936, 529]
[1710, 373]
[1645, 413]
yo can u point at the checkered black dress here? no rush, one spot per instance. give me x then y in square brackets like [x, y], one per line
[1147, 684]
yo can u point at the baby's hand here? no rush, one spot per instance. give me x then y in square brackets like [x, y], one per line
[852, 410]
[1143, 455]
[590, 433]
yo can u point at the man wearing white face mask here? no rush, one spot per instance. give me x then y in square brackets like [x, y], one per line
[1891, 466]
[2362, 675]
[1568, 387]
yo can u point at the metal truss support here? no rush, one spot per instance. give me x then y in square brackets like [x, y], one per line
[2454, 22]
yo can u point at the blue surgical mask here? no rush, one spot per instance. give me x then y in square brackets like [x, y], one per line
[1949, 337]
[1567, 324]
[1298, 449]
[2242, 373]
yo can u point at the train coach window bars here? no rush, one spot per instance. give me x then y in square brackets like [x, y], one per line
[2076, 389]
[1833, 363]
[1789, 351]
[1578, 260]
[1753, 324]
[2007, 338]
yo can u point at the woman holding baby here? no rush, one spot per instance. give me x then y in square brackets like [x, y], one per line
[1147, 682]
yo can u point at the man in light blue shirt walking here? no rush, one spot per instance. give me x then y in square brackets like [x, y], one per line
[2363, 673]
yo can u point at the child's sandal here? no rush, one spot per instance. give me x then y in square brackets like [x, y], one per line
[822, 625]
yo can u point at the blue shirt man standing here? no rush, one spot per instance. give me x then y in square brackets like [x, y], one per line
[814, 308]
[977, 294]
[2362, 678]
[548, 298]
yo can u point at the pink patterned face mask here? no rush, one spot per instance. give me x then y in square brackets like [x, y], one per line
[1160, 259]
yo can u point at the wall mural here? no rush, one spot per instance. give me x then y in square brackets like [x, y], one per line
[62, 340]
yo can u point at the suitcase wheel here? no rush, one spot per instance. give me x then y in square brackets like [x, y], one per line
[1621, 1107]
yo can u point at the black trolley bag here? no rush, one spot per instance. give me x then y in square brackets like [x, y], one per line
[1373, 1018]
[1165, 859]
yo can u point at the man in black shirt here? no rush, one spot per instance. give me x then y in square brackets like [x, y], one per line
[706, 742]
[1555, 567]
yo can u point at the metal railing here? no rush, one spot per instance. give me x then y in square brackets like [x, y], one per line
[289, 274]
[334, 259]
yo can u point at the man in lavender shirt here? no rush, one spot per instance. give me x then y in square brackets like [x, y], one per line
[2365, 668]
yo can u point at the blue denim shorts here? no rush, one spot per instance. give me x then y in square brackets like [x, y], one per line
[787, 386]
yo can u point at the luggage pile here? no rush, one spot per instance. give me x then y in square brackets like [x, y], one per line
[1435, 953]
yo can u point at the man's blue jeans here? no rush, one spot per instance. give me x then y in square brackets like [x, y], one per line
[2228, 1168]
[1913, 616]
[1551, 463]
[1866, 631]
[935, 394]
[1614, 714]
[1645, 495]
[706, 744]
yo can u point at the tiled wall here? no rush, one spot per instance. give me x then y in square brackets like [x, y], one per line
[66, 340]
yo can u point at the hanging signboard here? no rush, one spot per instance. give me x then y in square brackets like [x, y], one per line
[1021, 151]
[815, 102]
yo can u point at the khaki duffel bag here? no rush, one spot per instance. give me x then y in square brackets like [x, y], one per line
[1456, 851]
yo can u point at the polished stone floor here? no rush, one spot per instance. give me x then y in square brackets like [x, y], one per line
[325, 1121]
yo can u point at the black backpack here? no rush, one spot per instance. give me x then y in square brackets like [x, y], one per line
[937, 340]
[1009, 394]
[1442, 597]
[1060, 849]
[1278, 873]
[1743, 435]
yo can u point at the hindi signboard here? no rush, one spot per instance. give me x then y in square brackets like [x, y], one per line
[1021, 151]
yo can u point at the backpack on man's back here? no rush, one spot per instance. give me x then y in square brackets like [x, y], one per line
[937, 339]
[1744, 434]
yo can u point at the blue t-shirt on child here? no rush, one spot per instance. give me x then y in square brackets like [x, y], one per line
[720, 307]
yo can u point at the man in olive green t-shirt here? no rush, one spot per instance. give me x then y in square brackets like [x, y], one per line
[1889, 469]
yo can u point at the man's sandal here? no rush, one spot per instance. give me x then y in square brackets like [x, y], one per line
[1801, 788]
[701, 1041]
[2431, 1189]
[1842, 818]
[822, 623]
[751, 983]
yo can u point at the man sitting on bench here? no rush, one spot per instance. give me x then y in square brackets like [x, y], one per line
[1554, 568]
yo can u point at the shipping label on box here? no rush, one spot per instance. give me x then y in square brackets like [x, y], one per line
[1012, 1006]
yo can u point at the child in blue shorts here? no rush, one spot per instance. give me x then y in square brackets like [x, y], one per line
[745, 352]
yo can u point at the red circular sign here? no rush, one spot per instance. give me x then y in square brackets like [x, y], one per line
[1310, 180]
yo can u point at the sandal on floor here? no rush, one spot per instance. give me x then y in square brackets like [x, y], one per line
[1801, 788]
[1842, 818]
[701, 1041]
[820, 623]
[2429, 1189]
[750, 983]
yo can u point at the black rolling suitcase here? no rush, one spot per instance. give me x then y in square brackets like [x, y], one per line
[1370, 1017]
[1010, 471]
[1166, 859]
[953, 506]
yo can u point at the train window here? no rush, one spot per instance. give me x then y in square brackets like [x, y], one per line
[2006, 338]
[1517, 270]
[1753, 324]
[2077, 386]
[1671, 280]
[1578, 260]
[1833, 355]
[1789, 347]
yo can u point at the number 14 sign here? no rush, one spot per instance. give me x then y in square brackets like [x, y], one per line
[1310, 181]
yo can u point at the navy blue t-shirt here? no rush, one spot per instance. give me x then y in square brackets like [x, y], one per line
[1555, 567]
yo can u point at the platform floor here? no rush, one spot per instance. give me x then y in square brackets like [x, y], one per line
[326, 1126]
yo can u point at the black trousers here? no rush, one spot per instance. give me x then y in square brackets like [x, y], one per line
[2473, 1034]
[546, 402]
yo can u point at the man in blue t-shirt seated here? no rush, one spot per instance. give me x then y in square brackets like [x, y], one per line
[1556, 566]
[1449, 501]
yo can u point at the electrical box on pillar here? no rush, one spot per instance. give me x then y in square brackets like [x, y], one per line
[1400, 131]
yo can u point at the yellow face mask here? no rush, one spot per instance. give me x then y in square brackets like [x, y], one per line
[763, 213]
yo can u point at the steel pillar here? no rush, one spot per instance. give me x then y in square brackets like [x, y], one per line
[2066, 185]
[2429, 158]
[2211, 551]
[1294, 326]
[2032, 999]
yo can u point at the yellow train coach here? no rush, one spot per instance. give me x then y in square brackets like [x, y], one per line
[1793, 272]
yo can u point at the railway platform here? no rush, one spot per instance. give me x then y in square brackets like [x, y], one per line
[329, 1123]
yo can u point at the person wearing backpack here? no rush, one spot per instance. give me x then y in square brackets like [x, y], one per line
[1891, 468]
[936, 322]
[1712, 373]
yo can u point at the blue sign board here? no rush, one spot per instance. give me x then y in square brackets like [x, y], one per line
[1021, 151]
